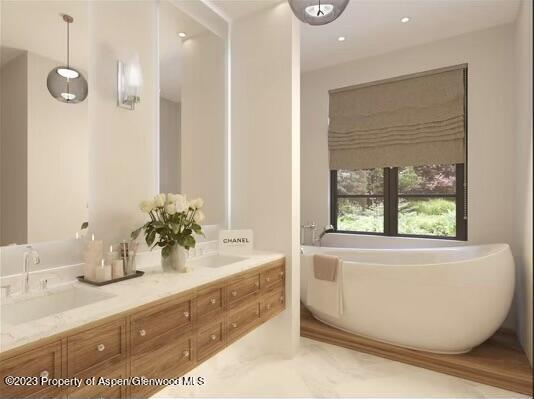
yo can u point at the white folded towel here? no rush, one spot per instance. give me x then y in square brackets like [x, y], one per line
[325, 296]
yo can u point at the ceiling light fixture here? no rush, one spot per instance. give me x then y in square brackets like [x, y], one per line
[182, 35]
[405, 20]
[341, 39]
[318, 12]
[65, 83]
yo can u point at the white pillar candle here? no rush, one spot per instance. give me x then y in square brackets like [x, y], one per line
[111, 256]
[118, 268]
[103, 272]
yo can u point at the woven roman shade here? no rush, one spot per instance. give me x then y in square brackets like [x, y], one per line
[407, 121]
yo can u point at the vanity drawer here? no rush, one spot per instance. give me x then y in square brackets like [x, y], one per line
[168, 358]
[160, 319]
[242, 320]
[38, 362]
[210, 303]
[106, 343]
[272, 277]
[210, 339]
[102, 391]
[272, 303]
[243, 289]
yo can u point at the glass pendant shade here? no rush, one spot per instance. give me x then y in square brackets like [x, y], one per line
[318, 12]
[67, 85]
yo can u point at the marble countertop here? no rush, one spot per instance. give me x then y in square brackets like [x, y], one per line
[125, 295]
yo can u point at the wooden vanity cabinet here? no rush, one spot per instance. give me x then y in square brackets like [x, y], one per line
[164, 339]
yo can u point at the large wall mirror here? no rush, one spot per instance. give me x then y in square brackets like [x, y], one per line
[49, 182]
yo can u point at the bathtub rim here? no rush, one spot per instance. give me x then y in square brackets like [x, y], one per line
[499, 248]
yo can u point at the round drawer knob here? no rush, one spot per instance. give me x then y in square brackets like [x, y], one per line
[257, 284]
[101, 347]
[44, 374]
[281, 274]
[186, 315]
[213, 337]
[281, 299]
[257, 312]
[142, 333]
[234, 293]
[268, 306]
[213, 301]
[268, 279]
[185, 354]
[234, 325]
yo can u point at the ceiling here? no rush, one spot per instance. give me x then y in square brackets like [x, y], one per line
[373, 27]
[235, 9]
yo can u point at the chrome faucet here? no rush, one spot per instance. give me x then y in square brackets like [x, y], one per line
[30, 252]
[310, 226]
[328, 229]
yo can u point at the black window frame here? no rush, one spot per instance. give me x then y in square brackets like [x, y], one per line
[391, 200]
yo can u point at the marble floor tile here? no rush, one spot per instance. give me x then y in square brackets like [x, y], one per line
[324, 371]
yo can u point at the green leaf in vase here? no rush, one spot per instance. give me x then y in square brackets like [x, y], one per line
[166, 251]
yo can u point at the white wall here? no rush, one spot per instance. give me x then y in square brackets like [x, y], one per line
[523, 165]
[169, 146]
[122, 145]
[265, 149]
[204, 123]
[57, 159]
[14, 155]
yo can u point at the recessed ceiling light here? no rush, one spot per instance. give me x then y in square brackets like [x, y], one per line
[182, 34]
[341, 39]
[405, 20]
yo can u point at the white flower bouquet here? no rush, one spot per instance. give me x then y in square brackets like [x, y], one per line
[173, 222]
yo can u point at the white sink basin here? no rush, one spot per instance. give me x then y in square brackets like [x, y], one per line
[215, 260]
[53, 303]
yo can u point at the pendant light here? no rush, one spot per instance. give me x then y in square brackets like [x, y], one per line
[65, 83]
[318, 12]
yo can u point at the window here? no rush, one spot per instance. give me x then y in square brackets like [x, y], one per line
[413, 201]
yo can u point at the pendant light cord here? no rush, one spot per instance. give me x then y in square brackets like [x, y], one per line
[68, 45]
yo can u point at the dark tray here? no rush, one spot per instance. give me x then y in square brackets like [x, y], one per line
[138, 273]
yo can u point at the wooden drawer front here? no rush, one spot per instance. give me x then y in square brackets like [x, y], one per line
[272, 303]
[103, 391]
[106, 343]
[272, 277]
[168, 359]
[242, 320]
[151, 323]
[34, 363]
[209, 304]
[210, 339]
[243, 289]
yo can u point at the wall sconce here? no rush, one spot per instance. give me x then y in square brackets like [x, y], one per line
[129, 83]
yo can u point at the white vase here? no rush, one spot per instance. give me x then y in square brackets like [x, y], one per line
[175, 262]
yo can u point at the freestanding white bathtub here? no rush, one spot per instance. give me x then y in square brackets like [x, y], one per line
[442, 300]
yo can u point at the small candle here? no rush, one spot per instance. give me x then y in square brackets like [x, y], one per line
[111, 256]
[118, 269]
[103, 272]
[92, 237]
